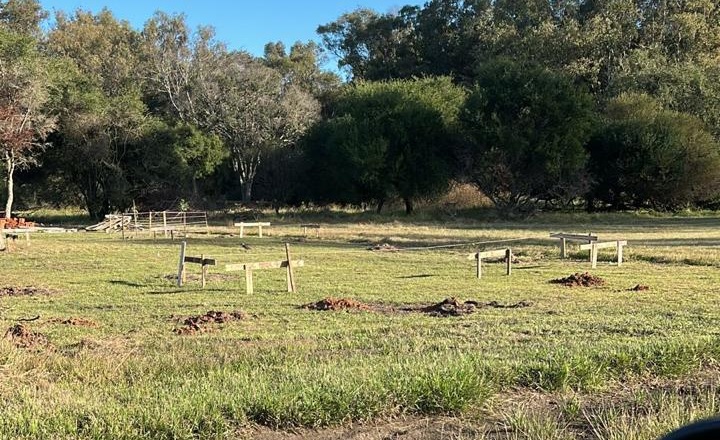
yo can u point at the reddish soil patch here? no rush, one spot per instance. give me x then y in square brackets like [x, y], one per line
[447, 307]
[383, 247]
[335, 304]
[640, 288]
[80, 322]
[23, 337]
[580, 280]
[201, 323]
[25, 291]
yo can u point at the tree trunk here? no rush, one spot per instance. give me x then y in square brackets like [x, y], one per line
[409, 208]
[380, 205]
[246, 190]
[10, 165]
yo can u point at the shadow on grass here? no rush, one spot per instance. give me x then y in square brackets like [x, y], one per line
[125, 283]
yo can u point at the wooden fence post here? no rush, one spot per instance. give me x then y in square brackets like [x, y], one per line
[594, 255]
[181, 265]
[165, 231]
[508, 256]
[290, 276]
[619, 253]
[203, 271]
[478, 270]
[248, 280]
[563, 248]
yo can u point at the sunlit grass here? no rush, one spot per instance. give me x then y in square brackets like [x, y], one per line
[132, 377]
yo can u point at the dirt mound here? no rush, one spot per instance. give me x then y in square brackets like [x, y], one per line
[200, 323]
[451, 307]
[25, 291]
[639, 288]
[335, 304]
[580, 280]
[80, 322]
[383, 247]
[23, 337]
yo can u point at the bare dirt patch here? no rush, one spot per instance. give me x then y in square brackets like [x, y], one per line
[454, 307]
[335, 304]
[450, 307]
[447, 307]
[23, 337]
[580, 280]
[80, 322]
[383, 247]
[402, 428]
[203, 323]
[25, 291]
[639, 288]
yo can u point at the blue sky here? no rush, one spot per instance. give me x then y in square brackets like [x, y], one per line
[242, 24]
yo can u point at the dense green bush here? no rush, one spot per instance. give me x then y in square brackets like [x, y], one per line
[527, 128]
[648, 156]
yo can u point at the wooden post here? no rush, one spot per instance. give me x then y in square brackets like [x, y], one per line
[508, 256]
[122, 226]
[594, 255]
[619, 253]
[181, 265]
[242, 227]
[150, 220]
[3, 245]
[165, 231]
[290, 276]
[184, 221]
[248, 281]
[203, 270]
[260, 231]
[563, 248]
[479, 265]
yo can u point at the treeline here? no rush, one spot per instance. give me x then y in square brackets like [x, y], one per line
[540, 104]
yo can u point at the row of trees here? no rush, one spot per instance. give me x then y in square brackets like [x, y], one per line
[604, 104]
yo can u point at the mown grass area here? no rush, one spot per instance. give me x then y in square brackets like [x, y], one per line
[601, 362]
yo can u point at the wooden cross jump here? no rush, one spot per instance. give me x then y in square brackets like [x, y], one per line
[499, 253]
[593, 247]
[259, 225]
[202, 261]
[564, 238]
[288, 264]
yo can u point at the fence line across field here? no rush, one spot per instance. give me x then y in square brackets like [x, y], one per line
[165, 221]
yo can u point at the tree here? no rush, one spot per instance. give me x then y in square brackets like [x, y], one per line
[300, 67]
[648, 156]
[254, 112]
[528, 127]
[24, 124]
[100, 108]
[388, 137]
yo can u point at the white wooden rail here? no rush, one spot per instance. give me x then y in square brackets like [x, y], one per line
[593, 248]
[564, 238]
[259, 225]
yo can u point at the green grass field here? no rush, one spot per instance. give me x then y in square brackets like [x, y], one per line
[580, 363]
